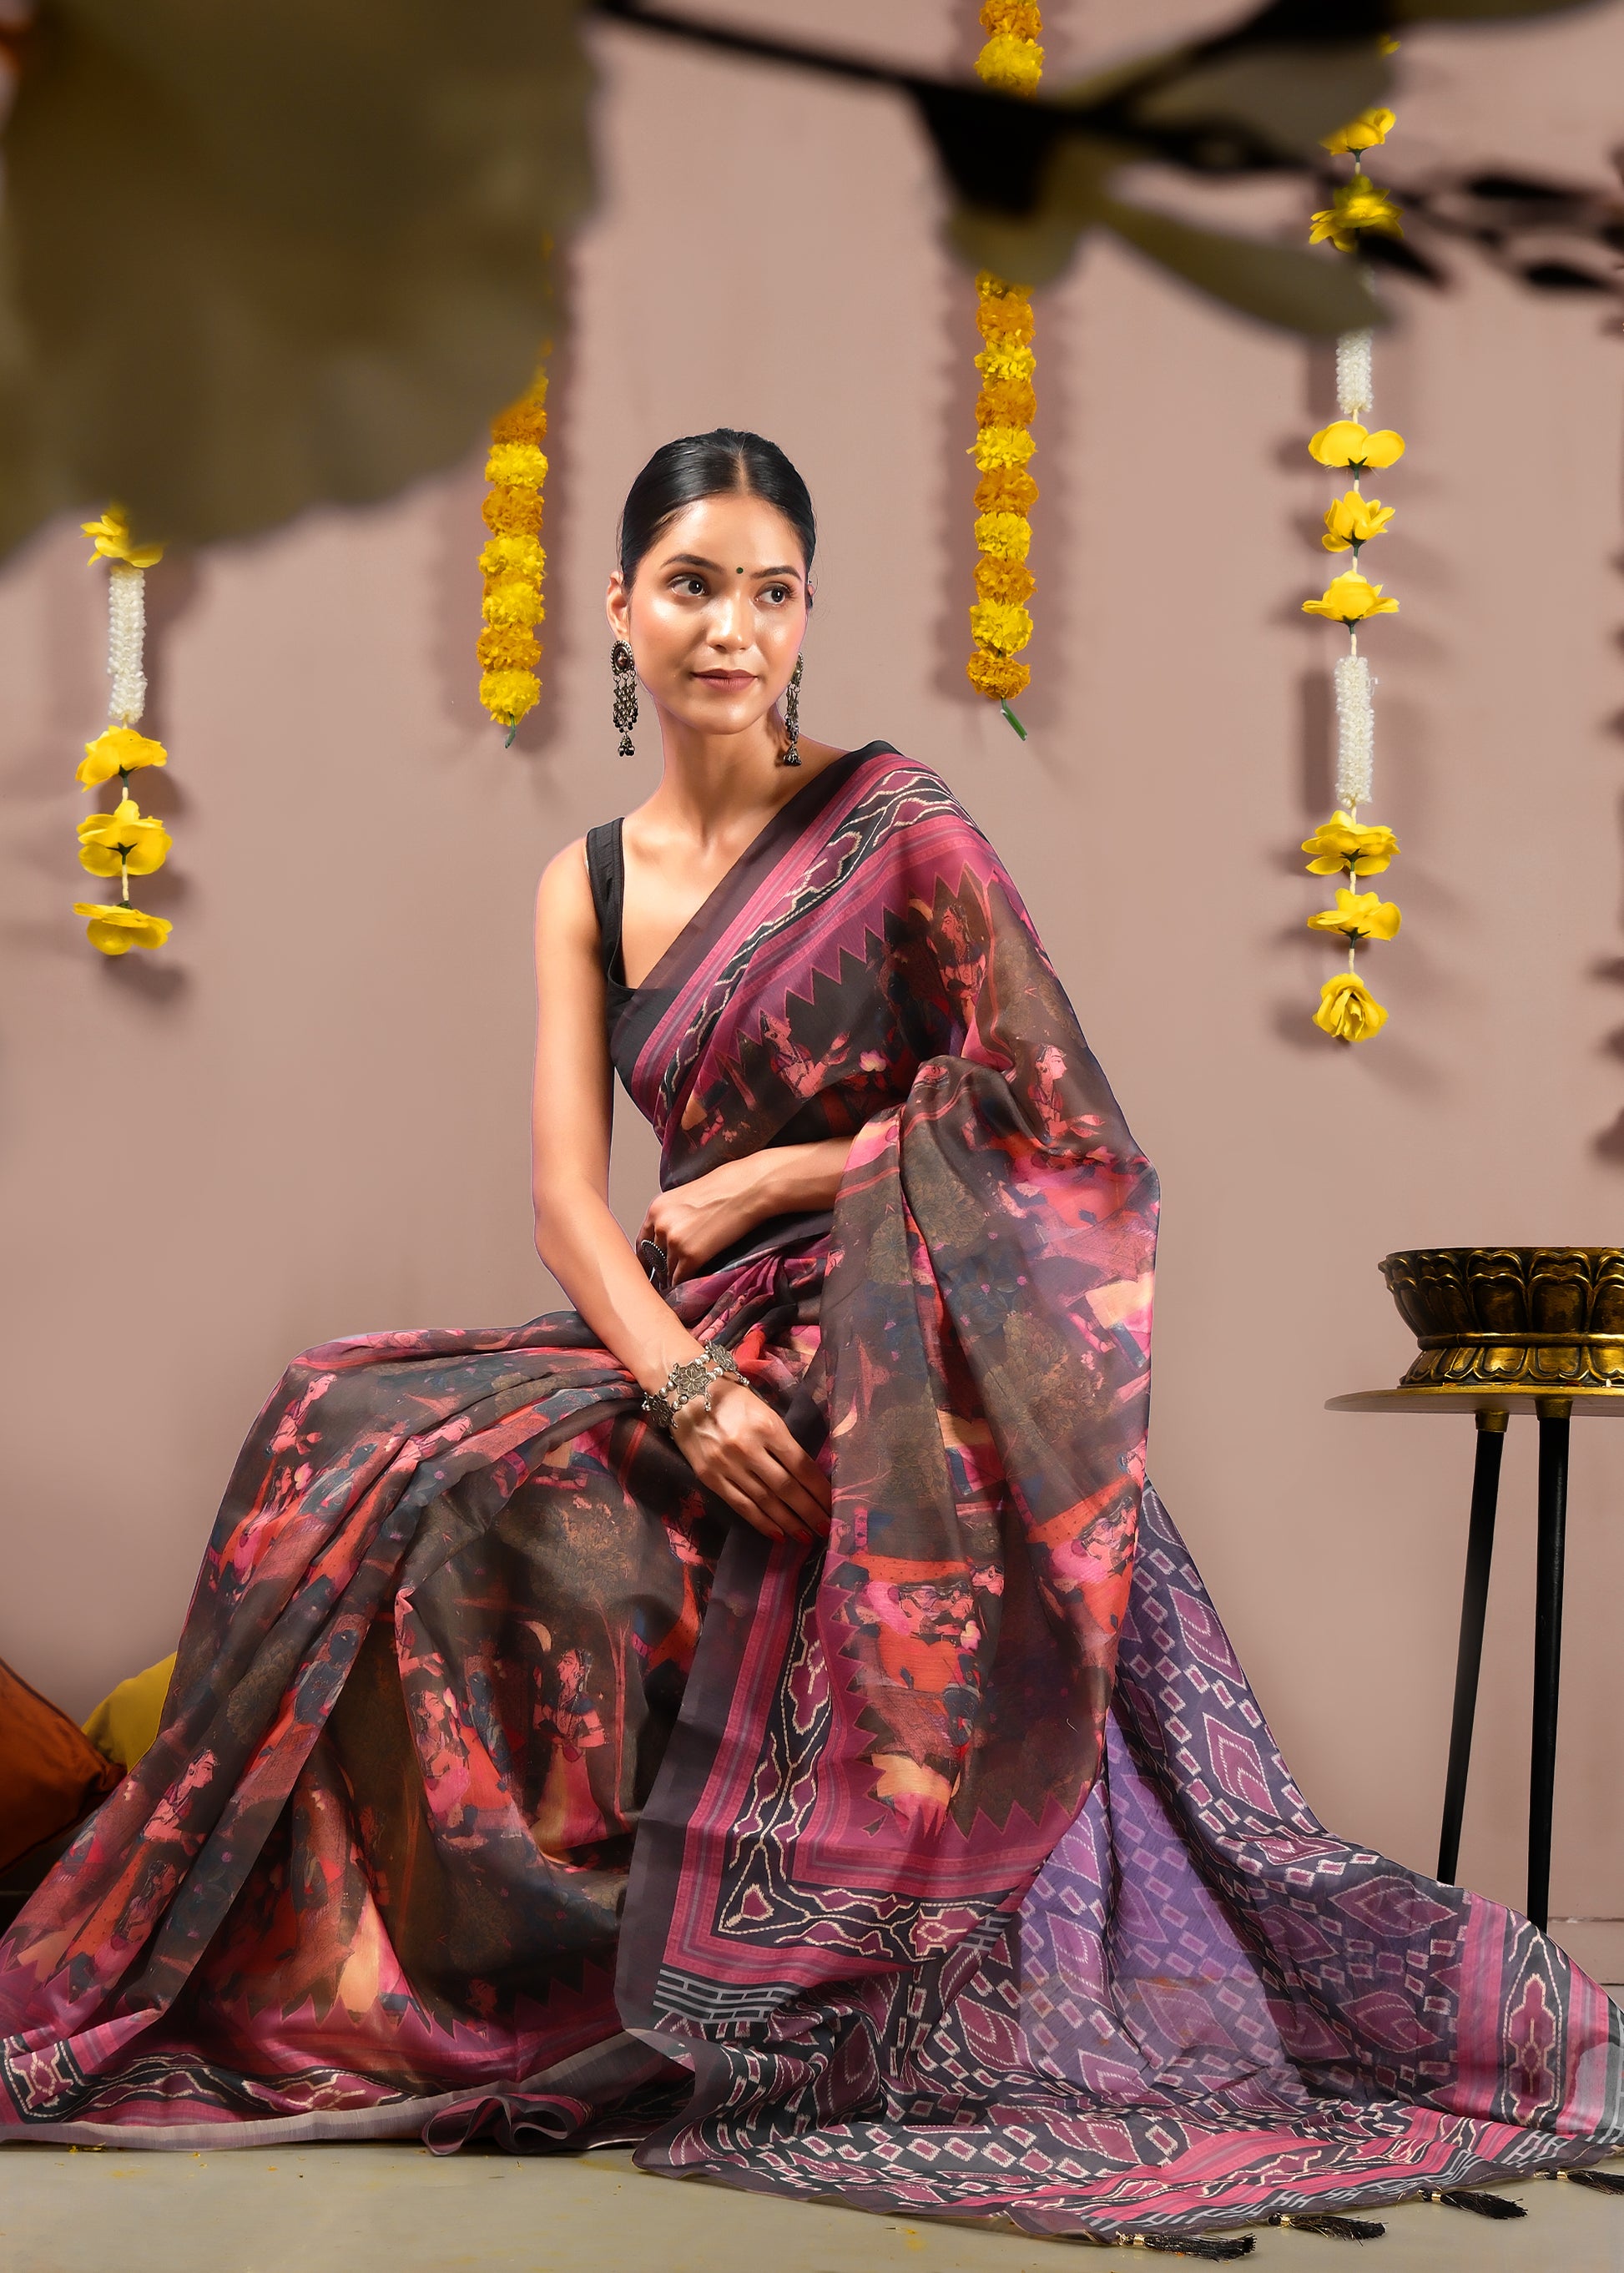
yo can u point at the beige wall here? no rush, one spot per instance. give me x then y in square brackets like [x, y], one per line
[308, 1116]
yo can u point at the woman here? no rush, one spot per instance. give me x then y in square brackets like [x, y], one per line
[733, 1714]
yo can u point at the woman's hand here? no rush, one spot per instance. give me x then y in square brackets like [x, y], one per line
[692, 1222]
[743, 1452]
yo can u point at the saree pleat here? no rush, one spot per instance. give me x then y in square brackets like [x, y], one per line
[506, 1786]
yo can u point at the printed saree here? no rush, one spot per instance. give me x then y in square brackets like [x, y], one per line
[505, 1787]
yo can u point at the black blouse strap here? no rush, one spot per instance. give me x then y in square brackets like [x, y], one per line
[606, 866]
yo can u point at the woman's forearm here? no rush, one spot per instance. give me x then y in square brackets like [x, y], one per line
[581, 1244]
[796, 1179]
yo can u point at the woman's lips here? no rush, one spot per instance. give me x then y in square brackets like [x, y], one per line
[731, 682]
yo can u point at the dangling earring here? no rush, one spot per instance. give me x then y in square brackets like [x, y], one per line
[625, 695]
[790, 755]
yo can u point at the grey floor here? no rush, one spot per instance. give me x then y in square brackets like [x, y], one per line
[397, 2209]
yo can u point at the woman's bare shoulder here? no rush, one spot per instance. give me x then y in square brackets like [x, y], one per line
[564, 905]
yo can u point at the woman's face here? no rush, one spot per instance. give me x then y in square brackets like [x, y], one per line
[716, 612]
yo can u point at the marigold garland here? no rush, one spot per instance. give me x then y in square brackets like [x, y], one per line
[1012, 61]
[1343, 845]
[125, 843]
[512, 563]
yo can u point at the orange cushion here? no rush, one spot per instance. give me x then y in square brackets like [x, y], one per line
[50, 1774]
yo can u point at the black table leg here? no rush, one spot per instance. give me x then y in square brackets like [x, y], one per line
[1554, 1425]
[1474, 1601]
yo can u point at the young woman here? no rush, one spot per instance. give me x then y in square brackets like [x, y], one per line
[762, 1713]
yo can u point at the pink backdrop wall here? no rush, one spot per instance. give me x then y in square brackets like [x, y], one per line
[308, 1116]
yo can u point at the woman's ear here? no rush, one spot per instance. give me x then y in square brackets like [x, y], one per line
[618, 606]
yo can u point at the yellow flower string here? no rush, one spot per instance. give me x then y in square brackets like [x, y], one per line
[1343, 845]
[1000, 622]
[513, 562]
[125, 843]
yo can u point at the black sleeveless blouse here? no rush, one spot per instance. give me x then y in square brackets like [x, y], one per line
[631, 1012]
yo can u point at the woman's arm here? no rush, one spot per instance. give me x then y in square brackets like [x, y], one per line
[741, 1449]
[696, 1221]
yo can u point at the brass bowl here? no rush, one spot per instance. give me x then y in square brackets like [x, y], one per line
[1495, 1317]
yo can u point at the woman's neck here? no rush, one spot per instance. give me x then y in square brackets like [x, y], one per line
[712, 787]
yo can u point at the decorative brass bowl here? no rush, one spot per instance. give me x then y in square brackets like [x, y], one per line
[1534, 1317]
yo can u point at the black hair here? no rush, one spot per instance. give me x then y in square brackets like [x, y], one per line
[724, 461]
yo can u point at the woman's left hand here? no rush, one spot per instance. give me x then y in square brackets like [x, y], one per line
[692, 1222]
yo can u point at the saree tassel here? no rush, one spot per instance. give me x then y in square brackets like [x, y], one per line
[1485, 2205]
[1216, 2249]
[1338, 2228]
[1604, 2182]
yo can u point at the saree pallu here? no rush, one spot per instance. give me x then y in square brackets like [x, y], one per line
[506, 1786]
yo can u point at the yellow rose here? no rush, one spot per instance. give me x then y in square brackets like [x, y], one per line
[1343, 843]
[113, 542]
[1356, 204]
[110, 842]
[116, 930]
[1361, 133]
[1349, 599]
[1353, 521]
[119, 751]
[1344, 442]
[1348, 1012]
[1358, 916]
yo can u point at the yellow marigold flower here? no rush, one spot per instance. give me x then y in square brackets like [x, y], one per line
[1348, 1012]
[1001, 446]
[1344, 442]
[1359, 915]
[1362, 848]
[1354, 519]
[1356, 204]
[1006, 536]
[505, 647]
[508, 694]
[512, 512]
[521, 422]
[517, 463]
[113, 541]
[1013, 66]
[1006, 402]
[1006, 488]
[1004, 580]
[1004, 313]
[996, 624]
[116, 930]
[512, 601]
[999, 676]
[1361, 133]
[1022, 20]
[1349, 599]
[109, 841]
[514, 556]
[999, 360]
[120, 750]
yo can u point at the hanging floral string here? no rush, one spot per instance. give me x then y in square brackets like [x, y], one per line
[513, 562]
[1343, 845]
[1000, 622]
[125, 843]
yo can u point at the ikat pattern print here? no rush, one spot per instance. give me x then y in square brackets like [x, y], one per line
[507, 1788]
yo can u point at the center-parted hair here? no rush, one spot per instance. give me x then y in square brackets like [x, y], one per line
[725, 461]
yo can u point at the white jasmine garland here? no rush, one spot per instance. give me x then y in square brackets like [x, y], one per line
[126, 640]
[1356, 731]
[1355, 391]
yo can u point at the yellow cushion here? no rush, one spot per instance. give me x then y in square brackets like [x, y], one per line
[125, 1723]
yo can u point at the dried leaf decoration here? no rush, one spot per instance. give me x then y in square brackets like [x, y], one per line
[275, 253]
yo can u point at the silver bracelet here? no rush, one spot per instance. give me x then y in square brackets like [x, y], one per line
[686, 1381]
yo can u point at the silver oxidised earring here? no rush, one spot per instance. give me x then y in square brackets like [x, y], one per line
[790, 755]
[625, 675]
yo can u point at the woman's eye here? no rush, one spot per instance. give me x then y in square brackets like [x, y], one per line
[779, 592]
[691, 585]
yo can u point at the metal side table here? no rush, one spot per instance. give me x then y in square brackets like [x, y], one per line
[1508, 1330]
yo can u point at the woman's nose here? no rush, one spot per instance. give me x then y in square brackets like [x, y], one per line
[732, 620]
